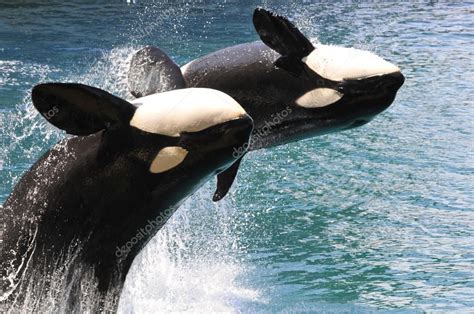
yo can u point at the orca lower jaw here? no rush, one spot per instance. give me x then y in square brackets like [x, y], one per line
[294, 129]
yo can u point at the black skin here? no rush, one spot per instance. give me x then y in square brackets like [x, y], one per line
[94, 193]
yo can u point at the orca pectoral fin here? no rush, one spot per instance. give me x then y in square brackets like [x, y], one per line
[281, 35]
[225, 180]
[152, 71]
[80, 109]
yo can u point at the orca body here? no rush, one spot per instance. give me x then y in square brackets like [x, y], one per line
[288, 107]
[76, 220]
[291, 88]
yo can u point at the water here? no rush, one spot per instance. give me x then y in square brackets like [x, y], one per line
[376, 219]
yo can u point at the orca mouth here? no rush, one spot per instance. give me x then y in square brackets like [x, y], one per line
[393, 81]
[365, 98]
[292, 130]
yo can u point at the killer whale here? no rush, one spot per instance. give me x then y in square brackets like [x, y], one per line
[293, 89]
[69, 221]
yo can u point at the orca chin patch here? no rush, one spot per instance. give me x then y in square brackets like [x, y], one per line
[168, 158]
[318, 98]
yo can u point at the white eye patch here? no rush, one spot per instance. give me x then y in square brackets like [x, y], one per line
[184, 110]
[168, 158]
[338, 63]
[319, 97]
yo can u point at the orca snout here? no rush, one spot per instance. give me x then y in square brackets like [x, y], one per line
[370, 96]
[223, 138]
[237, 132]
[393, 81]
[385, 84]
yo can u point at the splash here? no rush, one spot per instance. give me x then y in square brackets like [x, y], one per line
[109, 72]
[23, 135]
[191, 264]
[27, 132]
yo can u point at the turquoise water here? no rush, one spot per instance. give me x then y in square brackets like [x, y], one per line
[375, 219]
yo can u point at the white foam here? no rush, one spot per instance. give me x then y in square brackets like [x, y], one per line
[191, 265]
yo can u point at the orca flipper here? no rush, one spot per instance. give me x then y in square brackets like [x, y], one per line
[152, 71]
[285, 38]
[225, 180]
[80, 109]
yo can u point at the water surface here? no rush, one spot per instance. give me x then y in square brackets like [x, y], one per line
[377, 219]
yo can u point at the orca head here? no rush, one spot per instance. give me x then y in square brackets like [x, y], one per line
[348, 86]
[336, 88]
[195, 130]
[192, 131]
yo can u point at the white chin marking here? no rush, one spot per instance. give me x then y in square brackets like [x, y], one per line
[318, 98]
[184, 110]
[168, 158]
[339, 63]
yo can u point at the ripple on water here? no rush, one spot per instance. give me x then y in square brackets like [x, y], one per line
[379, 217]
